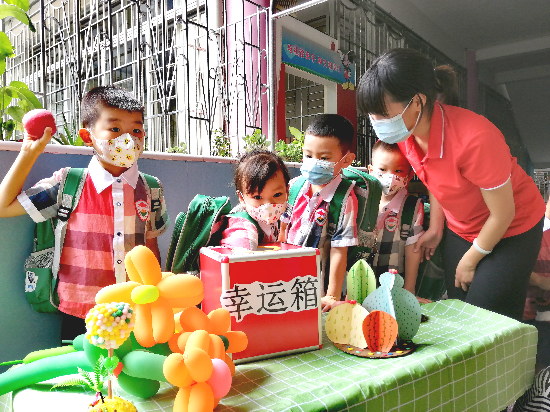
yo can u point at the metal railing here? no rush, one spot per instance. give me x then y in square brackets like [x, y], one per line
[198, 66]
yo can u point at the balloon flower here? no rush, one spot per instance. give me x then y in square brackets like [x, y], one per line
[153, 294]
[200, 366]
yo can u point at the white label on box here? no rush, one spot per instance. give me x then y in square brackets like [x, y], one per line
[296, 295]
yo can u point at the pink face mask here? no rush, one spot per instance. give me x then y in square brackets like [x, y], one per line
[267, 213]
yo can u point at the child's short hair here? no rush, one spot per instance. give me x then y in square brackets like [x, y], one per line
[386, 147]
[333, 125]
[106, 96]
[255, 168]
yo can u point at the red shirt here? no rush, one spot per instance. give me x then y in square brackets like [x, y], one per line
[466, 153]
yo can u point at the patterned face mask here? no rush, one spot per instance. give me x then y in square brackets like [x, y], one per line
[267, 213]
[122, 151]
[391, 183]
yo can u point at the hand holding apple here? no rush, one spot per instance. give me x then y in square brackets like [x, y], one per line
[36, 121]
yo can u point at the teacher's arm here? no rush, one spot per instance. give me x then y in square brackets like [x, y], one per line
[431, 238]
[502, 209]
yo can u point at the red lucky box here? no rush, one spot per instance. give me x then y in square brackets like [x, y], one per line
[273, 295]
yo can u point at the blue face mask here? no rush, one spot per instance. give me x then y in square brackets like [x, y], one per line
[318, 172]
[393, 130]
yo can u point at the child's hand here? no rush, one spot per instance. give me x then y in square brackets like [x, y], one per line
[428, 242]
[537, 280]
[36, 147]
[326, 302]
[422, 300]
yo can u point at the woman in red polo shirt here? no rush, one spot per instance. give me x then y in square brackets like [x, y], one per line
[494, 210]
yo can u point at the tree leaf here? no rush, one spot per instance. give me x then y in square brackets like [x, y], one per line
[23, 4]
[30, 98]
[7, 10]
[6, 48]
[2, 65]
[18, 85]
[5, 98]
[16, 113]
[70, 382]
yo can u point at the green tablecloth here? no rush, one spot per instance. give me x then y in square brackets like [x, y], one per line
[468, 359]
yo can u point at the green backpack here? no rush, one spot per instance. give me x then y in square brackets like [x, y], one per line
[42, 266]
[202, 225]
[368, 191]
[430, 282]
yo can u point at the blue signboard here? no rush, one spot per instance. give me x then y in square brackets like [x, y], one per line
[311, 57]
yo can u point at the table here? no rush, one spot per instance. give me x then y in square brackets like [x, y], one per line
[469, 359]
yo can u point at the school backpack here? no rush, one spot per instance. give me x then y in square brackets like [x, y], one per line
[202, 225]
[42, 266]
[368, 191]
[430, 282]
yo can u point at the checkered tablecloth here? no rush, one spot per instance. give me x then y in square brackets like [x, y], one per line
[468, 359]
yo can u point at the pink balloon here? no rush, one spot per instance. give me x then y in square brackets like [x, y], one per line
[220, 381]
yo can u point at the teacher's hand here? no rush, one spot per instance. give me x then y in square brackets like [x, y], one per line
[428, 241]
[465, 272]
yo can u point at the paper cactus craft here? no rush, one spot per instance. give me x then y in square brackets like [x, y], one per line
[380, 331]
[344, 324]
[361, 281]
[153, 295]
[391, 298]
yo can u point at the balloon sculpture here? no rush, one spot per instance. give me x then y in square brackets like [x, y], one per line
[195, 358]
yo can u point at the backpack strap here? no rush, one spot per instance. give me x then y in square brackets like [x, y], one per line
[294, 190]
[339, 200]
[70, 189]
[407, 215]
[154, 190]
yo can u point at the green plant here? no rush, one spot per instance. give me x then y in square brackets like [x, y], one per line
[16, 94]
[103, 371]
[221, 146]
[70, 135]
[291, 152]
[256, 140]
[182, 149]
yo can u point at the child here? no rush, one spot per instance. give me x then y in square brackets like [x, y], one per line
[327, 145]
[537, 304]
[114, 212]
[395, 250]
[261, 180]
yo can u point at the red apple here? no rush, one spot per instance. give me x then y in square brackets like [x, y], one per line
[36, 121]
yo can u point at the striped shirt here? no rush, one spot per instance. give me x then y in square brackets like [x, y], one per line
[308, 221]
[104, 226]
[390, 245]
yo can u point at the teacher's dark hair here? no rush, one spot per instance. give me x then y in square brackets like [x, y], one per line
[447, 85]
[400, 74]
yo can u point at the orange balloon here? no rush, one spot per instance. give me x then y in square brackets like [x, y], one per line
[198, 363]
[176, 371]
[173, 343]
[193, 318]
[230, 363]
[182, 341]
[162, 320]
[143, 329]
[185, 302]
[198, 339]
[216, 348]
[149, 268]
[201, 398]
[178, 285]
[131, 270]
[221, 321]
[120, 292]
[181, 403]
[237, 341]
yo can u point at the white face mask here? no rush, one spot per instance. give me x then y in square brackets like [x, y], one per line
[267, 213]
[391, 183]
[122, 151]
